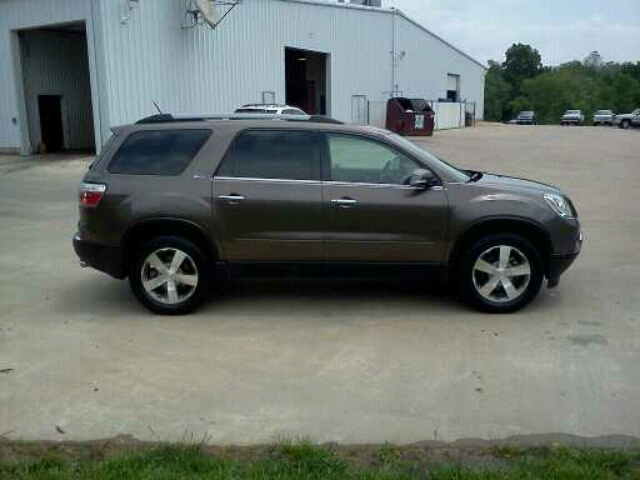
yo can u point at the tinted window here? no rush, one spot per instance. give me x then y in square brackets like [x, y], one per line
[287, 155]
[360, 160]
[251, 110]
[158, 152]
[293, 111]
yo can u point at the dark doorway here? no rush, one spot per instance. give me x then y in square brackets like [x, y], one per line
[56, 85]
[307, 80]
[51, 122]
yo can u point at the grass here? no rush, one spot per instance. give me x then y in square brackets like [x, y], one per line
[303, 460]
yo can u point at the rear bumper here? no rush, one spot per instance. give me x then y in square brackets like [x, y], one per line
[107, 259]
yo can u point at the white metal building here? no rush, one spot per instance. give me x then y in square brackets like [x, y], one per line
[71, 69]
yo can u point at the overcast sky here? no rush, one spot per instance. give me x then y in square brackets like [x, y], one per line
[561, 30]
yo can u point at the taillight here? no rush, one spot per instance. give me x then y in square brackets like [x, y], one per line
[91, 194]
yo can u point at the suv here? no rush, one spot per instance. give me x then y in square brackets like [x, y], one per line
[572, 117]
[170, 201]
[269, 109]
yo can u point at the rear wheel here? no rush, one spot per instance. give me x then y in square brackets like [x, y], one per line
[501, 273]
[170, 275]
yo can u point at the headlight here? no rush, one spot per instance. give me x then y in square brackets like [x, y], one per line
[559, 204]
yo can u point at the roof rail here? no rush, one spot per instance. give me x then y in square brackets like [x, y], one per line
[168, 118]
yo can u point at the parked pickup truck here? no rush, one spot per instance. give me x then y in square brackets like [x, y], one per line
[572, 117]
[627, 120]
[603, 117]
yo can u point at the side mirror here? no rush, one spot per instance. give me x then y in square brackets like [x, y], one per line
[422, 179]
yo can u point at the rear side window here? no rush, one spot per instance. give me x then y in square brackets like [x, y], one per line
[158, 152]
[286, 155]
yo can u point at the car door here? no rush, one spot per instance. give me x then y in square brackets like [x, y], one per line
[267, 197]
[371, 214]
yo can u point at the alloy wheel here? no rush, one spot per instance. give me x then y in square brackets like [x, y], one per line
[169, 276]
[501, 274]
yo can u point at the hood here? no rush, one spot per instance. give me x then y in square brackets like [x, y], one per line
[624, 115]
[515, 183]
[571, 115]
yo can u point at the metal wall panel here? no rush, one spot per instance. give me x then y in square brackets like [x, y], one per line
[150, 57]
[428, 61]
[202, 71]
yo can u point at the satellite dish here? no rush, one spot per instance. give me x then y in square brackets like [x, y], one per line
[208, 12]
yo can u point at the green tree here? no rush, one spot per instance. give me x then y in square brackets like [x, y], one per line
[522, 83]
[521, 62]
[497, 93]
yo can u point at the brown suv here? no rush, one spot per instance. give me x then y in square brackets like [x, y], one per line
[169, 201]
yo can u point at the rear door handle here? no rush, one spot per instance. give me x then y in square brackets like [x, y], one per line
[232, 199]
[344, 202]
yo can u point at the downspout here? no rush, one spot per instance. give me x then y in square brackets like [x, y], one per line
[393, 52]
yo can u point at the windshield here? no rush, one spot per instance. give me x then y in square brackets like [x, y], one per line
[573, 112]
[603, 112]
[526, 114]
[454, 172]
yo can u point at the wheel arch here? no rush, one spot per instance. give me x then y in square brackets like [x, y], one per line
[531, 231]
[148, 229]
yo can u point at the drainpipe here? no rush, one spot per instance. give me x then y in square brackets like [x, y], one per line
[393, 51]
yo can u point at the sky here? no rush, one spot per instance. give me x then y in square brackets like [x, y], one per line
[561, 30]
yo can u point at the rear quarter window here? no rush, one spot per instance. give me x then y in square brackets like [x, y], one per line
[158, 152]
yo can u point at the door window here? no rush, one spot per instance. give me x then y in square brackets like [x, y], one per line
[360, 160]
[272, 154]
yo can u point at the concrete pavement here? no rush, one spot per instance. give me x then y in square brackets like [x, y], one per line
[350, 363]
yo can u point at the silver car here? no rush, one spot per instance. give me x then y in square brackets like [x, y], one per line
[603, 117]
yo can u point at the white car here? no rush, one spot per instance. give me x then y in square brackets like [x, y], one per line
[269, 109]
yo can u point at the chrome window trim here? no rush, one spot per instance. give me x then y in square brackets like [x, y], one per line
[436, 188]
[271, 180]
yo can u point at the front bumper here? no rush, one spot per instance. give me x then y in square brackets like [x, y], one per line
[107, 259]
[559, 263]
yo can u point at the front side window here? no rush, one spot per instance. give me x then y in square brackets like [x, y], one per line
[158, 152]
[273, 154]
[360, 160]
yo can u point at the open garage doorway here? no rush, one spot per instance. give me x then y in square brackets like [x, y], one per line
[307, 80]
[56, 86]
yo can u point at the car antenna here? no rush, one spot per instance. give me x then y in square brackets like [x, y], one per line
[158, 108]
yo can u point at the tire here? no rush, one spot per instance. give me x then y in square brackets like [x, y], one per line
[481, 268]
[625, 124]
[166, 289]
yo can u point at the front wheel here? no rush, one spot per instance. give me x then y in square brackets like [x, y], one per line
[501, 273]
[625, 124]
[170, 275]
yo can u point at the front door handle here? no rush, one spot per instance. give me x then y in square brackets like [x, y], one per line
[344, 202]
[232, 199]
